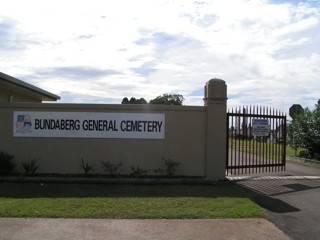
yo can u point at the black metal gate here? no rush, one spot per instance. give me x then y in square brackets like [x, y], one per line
[256, 140]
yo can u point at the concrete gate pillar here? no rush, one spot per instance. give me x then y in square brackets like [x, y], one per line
[215, 99]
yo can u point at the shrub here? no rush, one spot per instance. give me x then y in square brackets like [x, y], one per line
[6, 164]
[86, 167]
[171, 166]
[111, 168]
[138, 172]
[304, 154]
[30, 167]
[158, 171]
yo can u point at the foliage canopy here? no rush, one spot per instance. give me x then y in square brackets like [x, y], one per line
[133, 101]
[164, 99]
[168, 99]
[304, 131]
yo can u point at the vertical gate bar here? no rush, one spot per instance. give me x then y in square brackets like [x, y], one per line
[234, 147]
[277, 140]
[252, 139]
[244, 133]
[270, 141]
[257, 150]
[285, 141]
[238, 138]
[246, 137]
[253, 143]
[260, 112]
[279, 143]
[227, 142]
[230, 145]
[284, 134]
[263, 145]
[241, 139]
[267, 142]
[273, 139]
[256, 147]
[250, 130]
[236, 170]
[230, 152]
[234, 122]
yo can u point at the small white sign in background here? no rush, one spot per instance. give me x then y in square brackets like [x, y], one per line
[89, 125]
[260, 127]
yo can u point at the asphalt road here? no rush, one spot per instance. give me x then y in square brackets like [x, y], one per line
[290, 199]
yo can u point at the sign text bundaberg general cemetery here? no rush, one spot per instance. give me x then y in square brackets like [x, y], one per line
[89, 125]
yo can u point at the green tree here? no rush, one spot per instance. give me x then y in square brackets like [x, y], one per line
[125, 101]
[304, 131]
[168, 99]
[133, 101]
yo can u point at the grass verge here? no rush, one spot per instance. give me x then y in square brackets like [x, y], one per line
[125, 201]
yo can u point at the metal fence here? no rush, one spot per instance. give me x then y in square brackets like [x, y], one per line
[256, 140]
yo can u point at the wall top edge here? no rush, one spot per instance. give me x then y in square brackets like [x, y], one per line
[90, 107]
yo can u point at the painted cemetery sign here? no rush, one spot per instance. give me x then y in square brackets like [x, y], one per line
[89, 125]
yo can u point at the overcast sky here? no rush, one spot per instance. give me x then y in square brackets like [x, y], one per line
[268, 52]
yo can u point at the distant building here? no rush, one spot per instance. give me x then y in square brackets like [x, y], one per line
[15, 90]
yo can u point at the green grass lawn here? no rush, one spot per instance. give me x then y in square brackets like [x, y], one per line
[291, 152]
[257, 147]
[272, 150]
[125, 201]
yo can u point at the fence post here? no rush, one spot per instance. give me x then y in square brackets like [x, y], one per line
[215, 100]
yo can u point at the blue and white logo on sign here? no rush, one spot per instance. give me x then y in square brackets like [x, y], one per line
[23, 123]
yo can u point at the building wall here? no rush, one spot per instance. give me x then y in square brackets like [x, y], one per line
[185, 141]
[7, 95]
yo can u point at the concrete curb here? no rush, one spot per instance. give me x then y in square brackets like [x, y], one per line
[89, 180]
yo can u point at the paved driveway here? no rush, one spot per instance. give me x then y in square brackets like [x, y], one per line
[161, 229]
[290, 199]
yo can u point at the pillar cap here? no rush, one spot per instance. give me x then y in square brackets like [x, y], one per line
[215, 90]
[216, 80]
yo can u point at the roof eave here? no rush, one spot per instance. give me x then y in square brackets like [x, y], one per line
[45, 95]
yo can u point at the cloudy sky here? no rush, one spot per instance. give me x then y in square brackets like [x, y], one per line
[91, 51]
